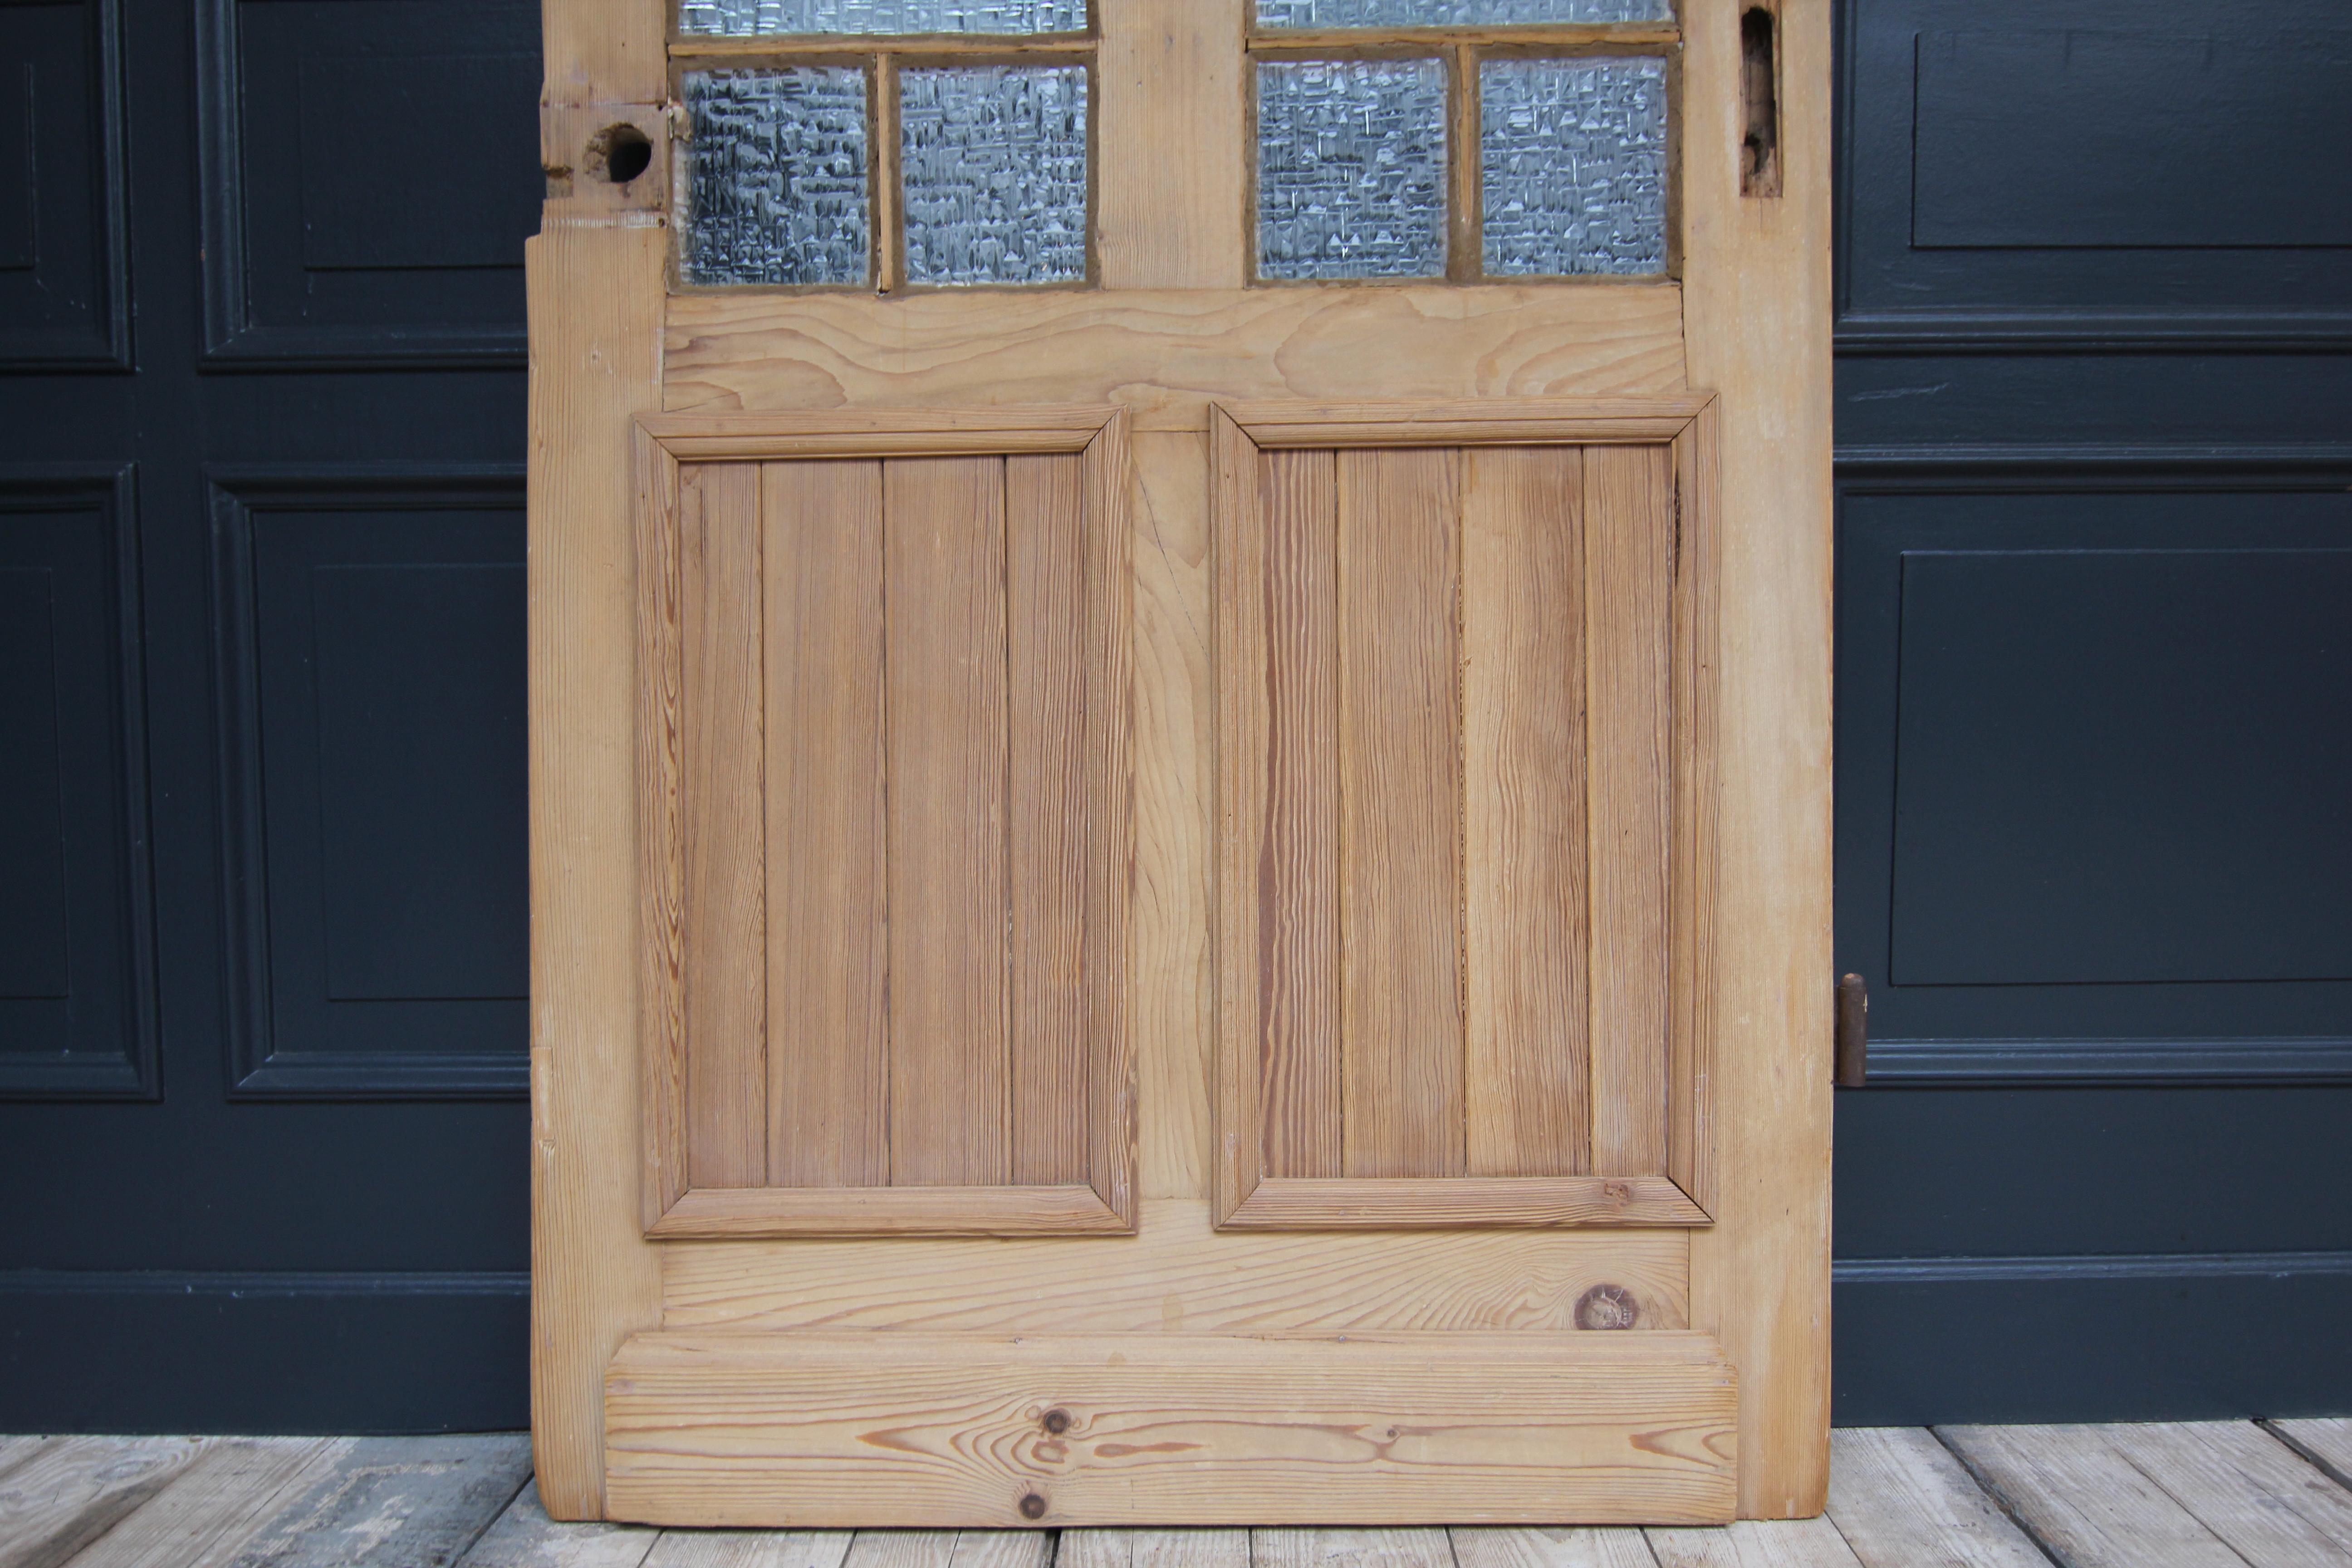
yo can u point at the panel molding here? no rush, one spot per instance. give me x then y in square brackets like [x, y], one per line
[1929, 1063]
[1246, 1196]
[2007, 331]
[1104, 1202]
[112, 350]
[232, 338]
[136, 1074]
[257, 1069]
[2095, 468]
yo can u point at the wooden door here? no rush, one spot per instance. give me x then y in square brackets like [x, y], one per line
[1180, 725]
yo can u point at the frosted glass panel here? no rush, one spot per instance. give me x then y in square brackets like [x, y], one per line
[1351, 169]
[994, 160]
[739, 18]
[1574, 154]
[776, 176]
[1453, 13]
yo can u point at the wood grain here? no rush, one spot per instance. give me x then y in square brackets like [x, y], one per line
[1525, 929]
[1899, 1497]
[599, 942]
[1779, 1544]
[1555, 1546]
[1107, 1089]
[724, 710]
[916, 1208]
[1179, 1275]
[2259, 1496]
[2083, 1497]
[203, 1518]
[393, 1501]
[1628, 567]
[1350, 1548]
[1172, 1003]
[944, 537]
[1167, 353]
[661, 826]
[1691, 1023]
[524, 1537]
[2324, 1441]
[1296, 998]
[1758, 305]
[1153, 1549]
[1240, 744]
[1173, 144]
[1399, 805]
[750, 1549]
[70, 1493]
[827, 865]
[1407, 1203]
[1049, 633]
[736, 1429]
[949, 1549]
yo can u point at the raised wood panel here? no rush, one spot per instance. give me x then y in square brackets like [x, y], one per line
[1629, 548]
[1460, 757]
[726, 896]
[888, 784]
[944, 541]
[827, 839]
[1525, 1067]
[1398, 808]
[1298, 997]
[1045, 668]
[805, 1429]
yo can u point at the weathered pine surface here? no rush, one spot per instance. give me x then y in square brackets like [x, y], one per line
[2233, 1494]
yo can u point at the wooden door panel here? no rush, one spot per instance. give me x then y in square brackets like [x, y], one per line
[828, 863]
[1453, 747]
[1400, 886]
[896, 811]
[1526, 924]
[815, 1430]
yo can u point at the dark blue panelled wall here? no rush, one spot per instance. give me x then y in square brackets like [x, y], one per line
[263, 906]
[262, 810]
[2094, 708]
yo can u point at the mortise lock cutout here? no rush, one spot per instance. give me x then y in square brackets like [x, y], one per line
[619, 153]
[1759, 96]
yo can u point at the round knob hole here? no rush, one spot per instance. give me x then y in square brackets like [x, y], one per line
[621, 153]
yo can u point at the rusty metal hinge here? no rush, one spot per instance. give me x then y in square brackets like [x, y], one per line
[1852, 1032]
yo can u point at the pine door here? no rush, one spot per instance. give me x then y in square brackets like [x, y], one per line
[1180, 710]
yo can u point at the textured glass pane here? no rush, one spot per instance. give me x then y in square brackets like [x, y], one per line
[993, 173]
[1351, 169]
[775, 183]
[1574, 154]
[1453, 13]
[746, 16]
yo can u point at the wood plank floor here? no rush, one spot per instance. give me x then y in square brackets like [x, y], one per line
[2232, 1494]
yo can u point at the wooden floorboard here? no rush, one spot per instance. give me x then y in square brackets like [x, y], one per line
[1555, 1546]
[1755, 1543]
[1901, 1499]
[67, 1494]
[2326, 1442]
[2234, 1494]
[2085, 1501]
[524, 1537]
[392, 1503]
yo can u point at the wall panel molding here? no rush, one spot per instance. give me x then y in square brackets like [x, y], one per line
[1962, 230]
[244, 257]
[2176, 1030]
[108, 940]
[262, 1065]
[83, 300]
